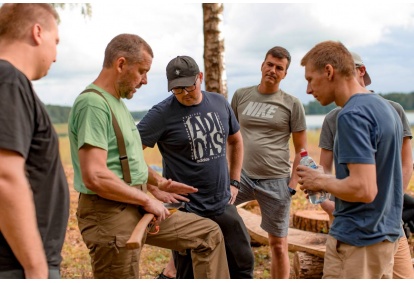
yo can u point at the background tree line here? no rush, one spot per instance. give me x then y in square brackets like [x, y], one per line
[405, 99]
[60, 114]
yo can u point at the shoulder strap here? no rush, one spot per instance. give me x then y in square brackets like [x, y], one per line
[123, 157]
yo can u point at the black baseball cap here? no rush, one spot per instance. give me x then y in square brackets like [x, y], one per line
[181, 71]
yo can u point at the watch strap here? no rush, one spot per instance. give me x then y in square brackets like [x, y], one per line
[235, 183]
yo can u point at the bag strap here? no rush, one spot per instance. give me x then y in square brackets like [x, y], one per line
[123, 157]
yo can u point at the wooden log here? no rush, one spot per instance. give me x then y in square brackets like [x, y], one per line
[311, 220]
[252, 222]
[298, 240]
[307, 266]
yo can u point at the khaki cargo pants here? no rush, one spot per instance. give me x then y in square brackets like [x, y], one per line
[106, 226]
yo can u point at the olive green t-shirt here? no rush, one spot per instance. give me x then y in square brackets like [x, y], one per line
[266, 123]
[90, 122]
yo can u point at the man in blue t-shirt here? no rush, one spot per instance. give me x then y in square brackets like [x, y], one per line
[195, 131]
[368, 184]
[403, 268]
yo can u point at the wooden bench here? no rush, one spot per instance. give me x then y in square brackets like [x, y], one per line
[298, 240]
[308, 247]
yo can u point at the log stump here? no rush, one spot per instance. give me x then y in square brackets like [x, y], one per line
[307, 266]
[311, 220]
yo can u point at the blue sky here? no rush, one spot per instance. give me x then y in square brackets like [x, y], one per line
[382, 33]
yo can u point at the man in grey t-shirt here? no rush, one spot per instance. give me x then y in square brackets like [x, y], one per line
[268, 116]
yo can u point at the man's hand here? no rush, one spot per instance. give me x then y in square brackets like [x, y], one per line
[309, 178]
[233, 194]
[168, 197]
[171, 186]
[157, 208]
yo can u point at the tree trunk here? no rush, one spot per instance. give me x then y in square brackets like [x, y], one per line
[311, 220]
[307, 266]
[214, 66]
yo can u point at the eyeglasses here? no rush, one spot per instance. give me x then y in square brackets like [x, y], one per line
[179, 90]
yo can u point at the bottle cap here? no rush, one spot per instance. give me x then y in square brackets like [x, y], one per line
[303, 152]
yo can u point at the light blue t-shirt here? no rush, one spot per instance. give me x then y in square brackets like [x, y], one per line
[369, 131]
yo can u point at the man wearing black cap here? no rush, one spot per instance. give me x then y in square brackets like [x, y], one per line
[195, 131]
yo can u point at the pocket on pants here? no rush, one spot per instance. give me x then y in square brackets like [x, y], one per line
[112, 260]
[118, 223]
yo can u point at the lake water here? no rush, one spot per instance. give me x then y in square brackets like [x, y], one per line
[315, 121]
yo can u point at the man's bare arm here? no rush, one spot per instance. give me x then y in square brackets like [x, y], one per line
[407, 162]
[299, 142]
[18, 222]
[98, 178]
[359, 186]
[235, 160]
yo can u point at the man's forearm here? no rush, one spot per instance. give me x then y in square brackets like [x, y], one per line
[108, 185]
[407, 162]
[235, 155]
[18, 225]
[235, 161]
[154, 178]
[294, 177]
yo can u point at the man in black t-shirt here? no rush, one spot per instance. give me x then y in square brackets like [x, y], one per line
[195, 131]
[34, 196]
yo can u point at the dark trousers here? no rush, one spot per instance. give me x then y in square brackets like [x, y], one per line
[240, 256]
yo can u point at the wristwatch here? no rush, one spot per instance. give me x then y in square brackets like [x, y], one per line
[292, 191]
[235, 183]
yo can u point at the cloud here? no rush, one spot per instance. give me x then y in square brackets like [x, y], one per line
[381, 33]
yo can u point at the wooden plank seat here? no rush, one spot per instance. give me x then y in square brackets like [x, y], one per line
[298, 240]
[308, 247]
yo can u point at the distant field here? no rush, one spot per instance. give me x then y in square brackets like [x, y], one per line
[152, 155]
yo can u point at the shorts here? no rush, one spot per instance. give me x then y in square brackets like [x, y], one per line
[274, 200]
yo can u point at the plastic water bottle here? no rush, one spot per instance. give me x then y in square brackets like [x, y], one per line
[315, 197]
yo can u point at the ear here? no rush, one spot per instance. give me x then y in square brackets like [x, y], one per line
[329, 71]
[120, 64]
[285, 75]
[201, 76]
[362, 70]
[36, 33]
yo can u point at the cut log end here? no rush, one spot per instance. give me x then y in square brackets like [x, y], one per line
[311, 220]
[307, 266]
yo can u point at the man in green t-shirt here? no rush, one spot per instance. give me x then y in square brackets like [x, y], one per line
[108, 206]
